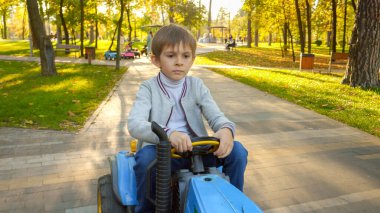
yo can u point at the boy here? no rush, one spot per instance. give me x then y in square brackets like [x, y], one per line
[177, 102]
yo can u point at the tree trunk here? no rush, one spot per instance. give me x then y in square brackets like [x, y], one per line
[249, 29]
[96, 25]
[300, 28]
[92, 36]
[353, 5]
[285, 32]
[209, 19]
[114, 34]
[24, 23]
[5, 25]
[47, 7]
[344, 26]
[65, 30]
[119, 24]
[308, 20]
[129, 22]
[171, 13]
[59, 32]
[46, 48]
[334, 23]
[270, 39]
[291, 42]
[256, 36]
[81, 27]
[364, 55]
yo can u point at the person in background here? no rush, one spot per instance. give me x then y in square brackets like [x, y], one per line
[149, 43]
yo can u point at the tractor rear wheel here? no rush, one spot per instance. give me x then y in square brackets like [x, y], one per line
[107, 201]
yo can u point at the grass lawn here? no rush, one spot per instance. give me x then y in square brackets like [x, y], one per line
[21, 48]
[267, 56]
[322, 93]
[62, 102]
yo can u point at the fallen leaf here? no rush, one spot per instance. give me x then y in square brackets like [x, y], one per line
[71, 114]
[28, 122]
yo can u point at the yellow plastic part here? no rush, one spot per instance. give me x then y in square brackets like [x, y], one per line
[214, 147]
[133, 145]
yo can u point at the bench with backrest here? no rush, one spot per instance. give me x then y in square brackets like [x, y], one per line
[68, 48]
[338, 58]
[231, 46]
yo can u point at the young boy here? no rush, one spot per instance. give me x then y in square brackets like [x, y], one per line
[177, 102]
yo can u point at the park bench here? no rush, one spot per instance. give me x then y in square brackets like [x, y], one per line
[231, 46]
[68, 48]
[338, 58]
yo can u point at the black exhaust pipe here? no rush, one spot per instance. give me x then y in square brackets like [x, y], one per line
[163, 170]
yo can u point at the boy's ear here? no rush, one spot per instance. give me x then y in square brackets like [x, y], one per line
[155, 60]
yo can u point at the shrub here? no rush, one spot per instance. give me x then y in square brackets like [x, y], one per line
[318, 42]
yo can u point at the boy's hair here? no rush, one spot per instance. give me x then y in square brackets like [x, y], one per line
[171, 35]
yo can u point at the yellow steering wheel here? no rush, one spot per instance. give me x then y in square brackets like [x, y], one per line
[201, 145]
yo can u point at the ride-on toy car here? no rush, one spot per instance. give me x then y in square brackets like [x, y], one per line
[197, 190]
[110, 55]
[128, 55]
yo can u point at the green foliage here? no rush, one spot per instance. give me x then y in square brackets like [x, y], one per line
[62, 102]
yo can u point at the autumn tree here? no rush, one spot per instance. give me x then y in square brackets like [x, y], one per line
[119, 24]
[334, 23]
[300, 26]
[5, 6]
[249, 6]
[43, 41]
[364, 55]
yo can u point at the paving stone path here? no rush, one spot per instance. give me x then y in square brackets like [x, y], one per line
[299, 161]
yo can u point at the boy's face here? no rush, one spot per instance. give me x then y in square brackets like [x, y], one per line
[175, 62]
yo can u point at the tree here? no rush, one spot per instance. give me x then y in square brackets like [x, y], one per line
[63, 22]
[364, 55]
[81, 26]
[209, 19]
[249, 6]
[300, 27]
[5, 6]
[46, 48]
[119, 24]
[308, 21]
[334, 20]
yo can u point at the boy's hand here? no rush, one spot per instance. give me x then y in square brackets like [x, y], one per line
[180, 141]
[226, 142]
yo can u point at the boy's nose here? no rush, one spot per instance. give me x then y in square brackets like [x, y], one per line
[179, 61]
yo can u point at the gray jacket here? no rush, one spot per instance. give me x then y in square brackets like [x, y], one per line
[154, 104]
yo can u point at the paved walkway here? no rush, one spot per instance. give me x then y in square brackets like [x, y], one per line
[299, 161]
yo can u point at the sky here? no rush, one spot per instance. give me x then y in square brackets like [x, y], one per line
[231, 5]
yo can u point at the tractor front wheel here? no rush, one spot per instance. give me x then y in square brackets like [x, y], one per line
[107, 201]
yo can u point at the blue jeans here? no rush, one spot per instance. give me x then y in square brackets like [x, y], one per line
[233, 166]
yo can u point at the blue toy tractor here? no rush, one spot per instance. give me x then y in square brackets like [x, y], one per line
[199, 190]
